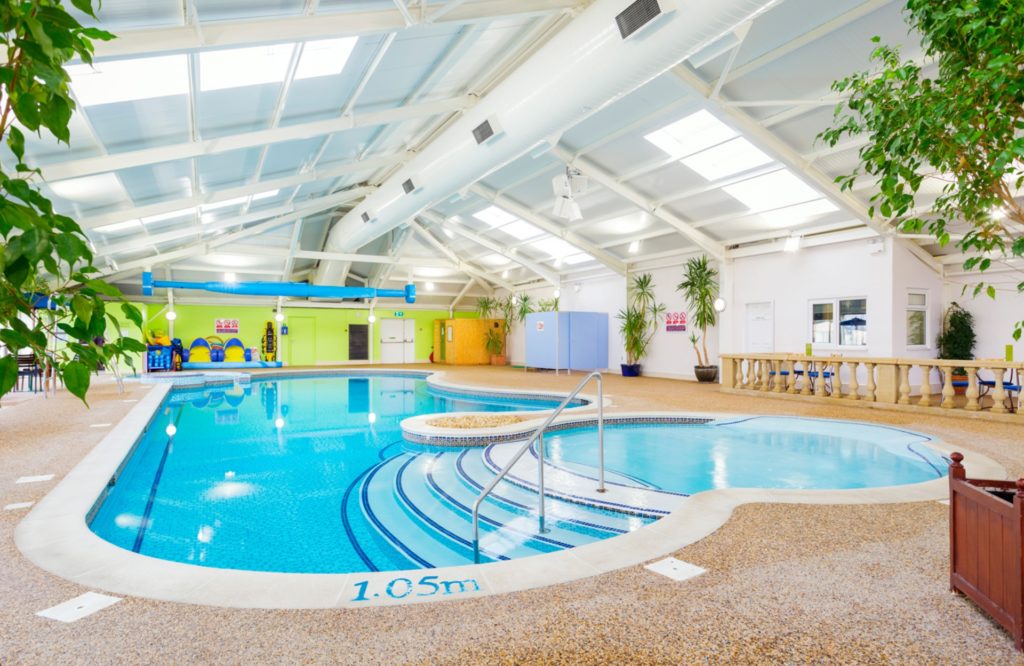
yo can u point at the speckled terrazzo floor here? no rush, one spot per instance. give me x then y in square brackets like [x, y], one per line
[785, 583]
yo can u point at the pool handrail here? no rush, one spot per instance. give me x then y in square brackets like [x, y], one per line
[538, 436]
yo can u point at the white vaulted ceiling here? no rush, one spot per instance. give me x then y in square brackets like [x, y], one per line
[215, 135]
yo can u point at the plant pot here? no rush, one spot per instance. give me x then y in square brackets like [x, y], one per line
[962, 389]
[630, 369]
[706, 373]
[499, 359]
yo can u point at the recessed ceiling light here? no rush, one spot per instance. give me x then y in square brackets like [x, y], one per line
[494, 259]
[775, 190]
[250, 66]
[494, 216]
[792, 244]
[324, 57]
[726, 159]
[129, 80]
[691, 134]
[634, 247]
[504, 274]
[429, 286]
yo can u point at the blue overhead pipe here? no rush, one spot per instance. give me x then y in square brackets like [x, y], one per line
[291, 289]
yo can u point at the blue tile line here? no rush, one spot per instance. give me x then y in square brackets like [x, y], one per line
[380, 526]
[490, 521]
[144, 524]
[644, 511]
[910, 447]
[424, 517]
[349, 532]
[464, 475]
[380, 454]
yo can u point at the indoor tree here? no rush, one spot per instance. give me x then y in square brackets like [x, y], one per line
[639, 321]
[957, 130]
[700, 289]
[48, 286]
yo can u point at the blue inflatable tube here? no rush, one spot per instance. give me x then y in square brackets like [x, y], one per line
[290, 289]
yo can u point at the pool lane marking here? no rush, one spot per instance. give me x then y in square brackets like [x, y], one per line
[81, 606]
[144, 523]
[464, 475]
[35, 479]
[365, 495]
[346, 524]
[490, 521]
[424, 517]
[18, 505]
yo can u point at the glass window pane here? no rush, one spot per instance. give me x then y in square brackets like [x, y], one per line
[919, 300]
[916, 328]
[853, 322]
[821, 327]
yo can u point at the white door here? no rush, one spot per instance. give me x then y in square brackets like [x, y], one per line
[392, 336]
[409, 342]
[760, 328]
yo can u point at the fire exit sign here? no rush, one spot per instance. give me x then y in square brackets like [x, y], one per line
[399, 313]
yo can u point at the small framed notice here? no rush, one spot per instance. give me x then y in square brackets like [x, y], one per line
[226, 326]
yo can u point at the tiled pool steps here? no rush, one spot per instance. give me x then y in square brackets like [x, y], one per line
[420, 505]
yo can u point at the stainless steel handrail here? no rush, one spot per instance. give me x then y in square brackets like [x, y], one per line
[538, 434]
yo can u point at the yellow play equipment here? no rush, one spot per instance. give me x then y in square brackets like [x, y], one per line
[269, 343]
[157, 337]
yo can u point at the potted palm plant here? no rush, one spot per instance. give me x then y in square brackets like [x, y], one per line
[495, 343]
[700, 289]
[639, 322]
[956, 342]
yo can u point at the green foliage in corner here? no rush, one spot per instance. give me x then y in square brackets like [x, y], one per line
[959, 130]
[44, 256]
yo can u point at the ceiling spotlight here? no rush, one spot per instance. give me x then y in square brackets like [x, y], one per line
[558, 262]
[792, 243]
[429, 286]
[230, 277]
[171, 315]
[567, 209]
[634, 247]
[569, 184]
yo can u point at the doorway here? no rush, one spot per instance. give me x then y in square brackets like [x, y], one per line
[760, 328]
[397, 341]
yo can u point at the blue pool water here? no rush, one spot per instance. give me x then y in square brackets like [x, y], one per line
[311, 474]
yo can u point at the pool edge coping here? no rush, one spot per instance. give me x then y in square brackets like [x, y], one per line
[55, 537]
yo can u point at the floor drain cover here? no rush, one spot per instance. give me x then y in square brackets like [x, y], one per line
[35, 479]
[18, 505]
[675, 569]
[79, 607]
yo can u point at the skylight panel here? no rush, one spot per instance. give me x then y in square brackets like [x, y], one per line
[493, 216]
[775, 190]
[556, 247]
[174, 214]
[251, 66]
[324, 57]
[521, 230]
[494, 259]
[118, 227]
[691, 134]
[580, 258]
[726, 159]
[793, 215]
[227, 203]
[129, 80]
[100, 189]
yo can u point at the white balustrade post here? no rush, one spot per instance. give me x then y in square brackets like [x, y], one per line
[854, 393]
[791, 380]
[904, 384]
[998, 392]
[947, 388]
[926, 386]
[869, 390]
[972, 390]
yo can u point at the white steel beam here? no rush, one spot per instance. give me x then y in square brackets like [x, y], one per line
[462, 293]
[463, 266]
[863, 233]
[305, 27]
[93, 165]
[588, 168]
[218, 196]
[552, 228]
[293, 247]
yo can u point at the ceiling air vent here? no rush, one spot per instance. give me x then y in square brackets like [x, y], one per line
[641, 15]
[486, 130]
[366, 217]
[408, 186]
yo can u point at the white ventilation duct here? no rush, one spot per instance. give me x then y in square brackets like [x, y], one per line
[583, 68]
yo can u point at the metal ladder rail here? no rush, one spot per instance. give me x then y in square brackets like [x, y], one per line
[538, 434]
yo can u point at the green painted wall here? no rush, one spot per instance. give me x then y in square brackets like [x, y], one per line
[331, 325]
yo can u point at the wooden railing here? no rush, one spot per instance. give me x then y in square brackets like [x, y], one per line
[986, 562]
[921, 382]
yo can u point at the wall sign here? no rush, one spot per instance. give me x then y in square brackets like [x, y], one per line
[675, 321]
[540, 326]
[226, 326]
[399, 313]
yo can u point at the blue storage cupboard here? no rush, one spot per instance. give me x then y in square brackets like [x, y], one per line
[567, 340]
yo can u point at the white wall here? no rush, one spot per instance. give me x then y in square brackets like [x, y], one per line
[911, 274]
[993, 320]
[671, 354]
[791, 280]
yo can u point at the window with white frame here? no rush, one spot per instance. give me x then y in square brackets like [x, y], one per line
[917, 319]
[841, 322]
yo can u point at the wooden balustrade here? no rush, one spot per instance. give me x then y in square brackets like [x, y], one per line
[990, 385]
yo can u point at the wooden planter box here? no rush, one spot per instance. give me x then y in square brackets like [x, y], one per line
[985, 545]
